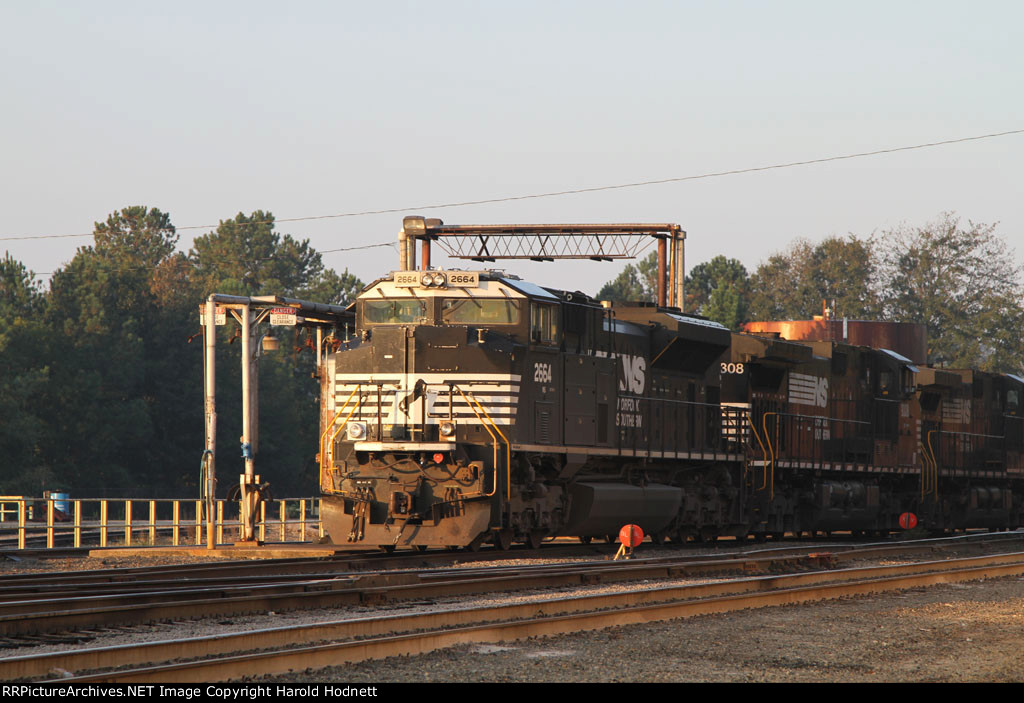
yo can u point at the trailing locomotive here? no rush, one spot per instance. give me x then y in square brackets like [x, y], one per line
[474, 407]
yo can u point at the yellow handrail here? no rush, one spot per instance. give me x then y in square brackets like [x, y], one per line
[935, 462]
[764, 425]
[753, 429]
[926, 473]
[330, 424]
[470, 401]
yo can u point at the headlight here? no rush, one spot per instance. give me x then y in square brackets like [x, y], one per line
[447, 429]
[429, 279]
[356, 430]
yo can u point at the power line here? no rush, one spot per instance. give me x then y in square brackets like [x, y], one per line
[243, 261]
[578, 191]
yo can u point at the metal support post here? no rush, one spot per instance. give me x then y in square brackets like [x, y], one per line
[679, 243]
[662, 273]
[425, 248]
[211, 419]
[247, 495]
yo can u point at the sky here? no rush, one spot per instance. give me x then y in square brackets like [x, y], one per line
[205, 110]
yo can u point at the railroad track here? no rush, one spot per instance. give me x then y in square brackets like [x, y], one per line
[32, 604]
[282, 649]
[58, 608]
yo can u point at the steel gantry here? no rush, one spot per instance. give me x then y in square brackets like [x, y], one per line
[597, 242]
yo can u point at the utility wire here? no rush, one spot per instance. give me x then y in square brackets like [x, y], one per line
[255, 260]
[577, 191]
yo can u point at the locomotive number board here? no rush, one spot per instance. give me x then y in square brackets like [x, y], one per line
[459, 279]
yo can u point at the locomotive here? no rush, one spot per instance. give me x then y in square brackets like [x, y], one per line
[473, 407]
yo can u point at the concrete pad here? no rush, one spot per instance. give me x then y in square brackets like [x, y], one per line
[227, 551]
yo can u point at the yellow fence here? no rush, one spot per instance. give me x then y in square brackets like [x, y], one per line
[107, 522]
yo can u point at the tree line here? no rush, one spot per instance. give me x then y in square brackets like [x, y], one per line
[101, 389]
[101, 371]
[957, 278]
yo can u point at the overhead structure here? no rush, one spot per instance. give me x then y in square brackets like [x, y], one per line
[597, 242]
[250, 312]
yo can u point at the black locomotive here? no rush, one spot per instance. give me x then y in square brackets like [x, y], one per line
[473, 407]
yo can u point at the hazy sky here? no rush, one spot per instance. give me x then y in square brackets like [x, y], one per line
[316, 108]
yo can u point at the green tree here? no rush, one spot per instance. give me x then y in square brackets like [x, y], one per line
[960, 281]
[792, 285]
[634, 283]
[718, 289]
[335, 289]
[24, 355]
[120, 308]
[247, 256]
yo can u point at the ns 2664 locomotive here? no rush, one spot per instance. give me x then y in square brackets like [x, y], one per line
[474, 407]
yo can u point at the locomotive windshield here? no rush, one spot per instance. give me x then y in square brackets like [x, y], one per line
[479, 311]
[393, 311]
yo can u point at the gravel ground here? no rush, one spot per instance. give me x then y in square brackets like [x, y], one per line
[961, 632]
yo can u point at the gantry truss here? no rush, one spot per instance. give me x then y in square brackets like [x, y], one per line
[598, 242]
[547, 242]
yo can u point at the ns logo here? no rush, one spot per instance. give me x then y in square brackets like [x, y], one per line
[634, 374]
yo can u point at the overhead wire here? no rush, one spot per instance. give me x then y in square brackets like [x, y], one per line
[256, 260]
[560, 193]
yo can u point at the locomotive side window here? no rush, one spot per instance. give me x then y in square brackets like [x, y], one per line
[476, 311]
[885, 382]
[543, 323]
[393, 311]
[1012, 401]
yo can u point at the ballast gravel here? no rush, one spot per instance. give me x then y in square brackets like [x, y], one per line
[969, 632]
[952, 633]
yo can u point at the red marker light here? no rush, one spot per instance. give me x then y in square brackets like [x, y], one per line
[439, 458]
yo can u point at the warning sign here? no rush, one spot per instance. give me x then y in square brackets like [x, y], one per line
[287, 317]
[220, 316]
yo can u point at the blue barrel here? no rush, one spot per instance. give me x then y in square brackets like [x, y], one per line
[61, 501]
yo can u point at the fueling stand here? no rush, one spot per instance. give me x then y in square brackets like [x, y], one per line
[250, 313]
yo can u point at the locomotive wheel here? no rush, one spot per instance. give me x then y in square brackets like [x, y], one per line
[503, 540]
[586, 539]
[389, 548]
[535, 538]
[658, 538]
[609, 539]
[421, 547]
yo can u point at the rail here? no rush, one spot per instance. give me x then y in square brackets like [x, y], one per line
[764, 451]
[105, 522]
[929, 473]
[328, 429]
[683, 425]
[769, 471]
[964, 453]
[488, 425]
[817, 438]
